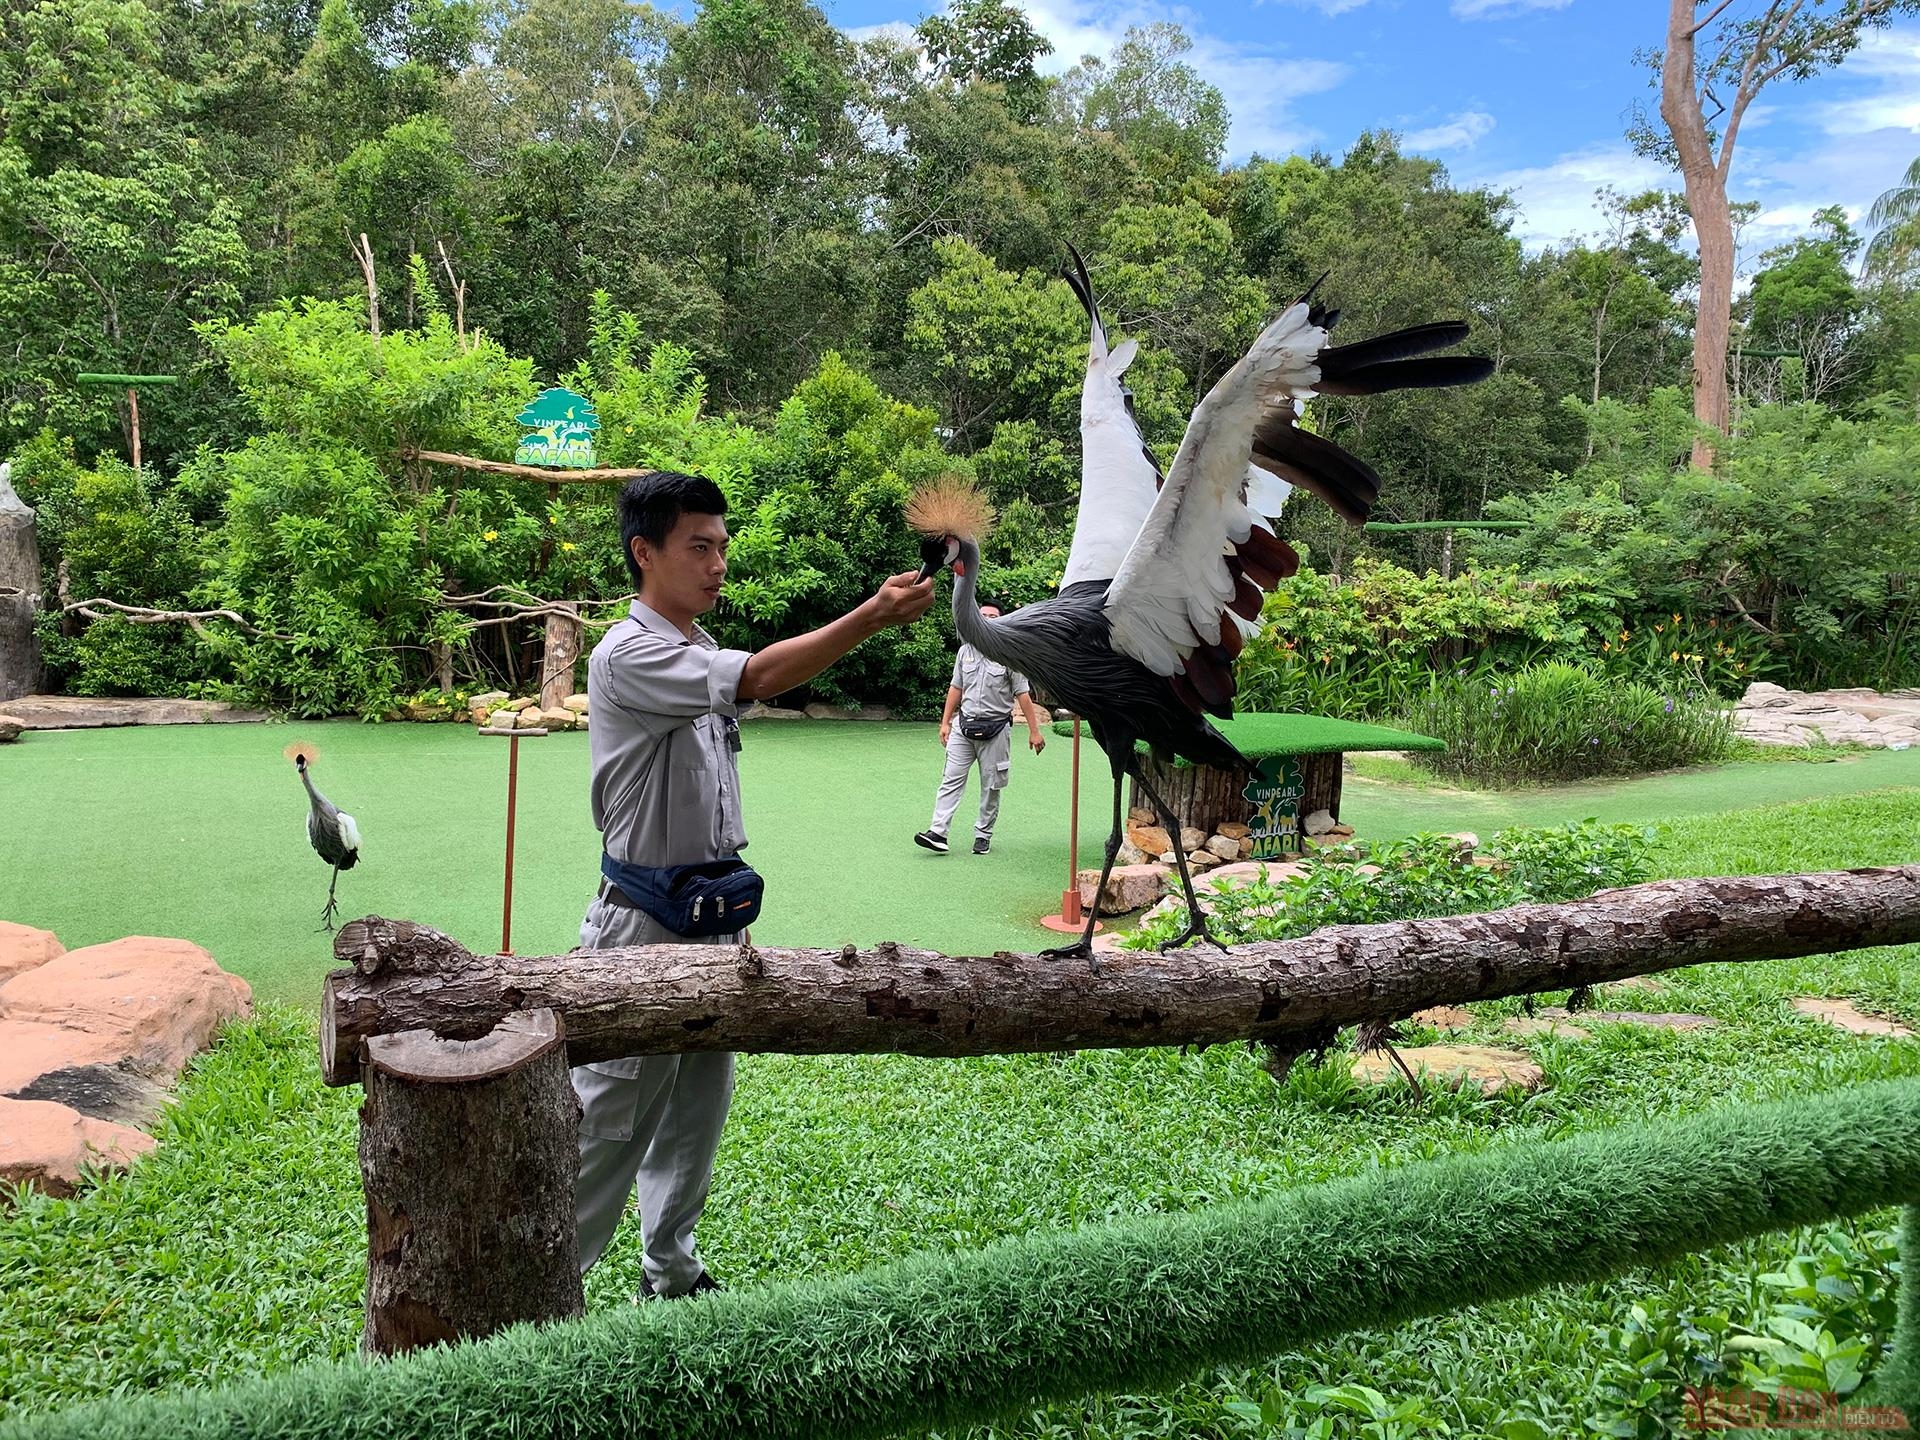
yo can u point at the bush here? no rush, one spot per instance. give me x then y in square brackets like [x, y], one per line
[1420, 878]
[1563, 722]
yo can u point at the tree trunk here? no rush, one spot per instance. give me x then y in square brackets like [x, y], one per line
[1199, 795]
[667, 999]
[468, 1154]
[20, 672]
[556, 665]
[1706, 185]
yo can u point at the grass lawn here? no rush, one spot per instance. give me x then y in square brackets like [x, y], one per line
[238, 1247]
[199, 831]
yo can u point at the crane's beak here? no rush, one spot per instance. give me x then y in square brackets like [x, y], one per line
[925, 571]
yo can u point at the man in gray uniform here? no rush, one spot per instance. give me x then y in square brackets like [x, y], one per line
[987, 695]
[666, 791]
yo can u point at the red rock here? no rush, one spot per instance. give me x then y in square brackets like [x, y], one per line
[1444, 1017]
[1455, 1066]
[46, 1145]
[32, 1048]
[22, 948]
[157, 1001]
[1150, 839]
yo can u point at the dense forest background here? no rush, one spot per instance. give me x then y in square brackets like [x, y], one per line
[821, 270]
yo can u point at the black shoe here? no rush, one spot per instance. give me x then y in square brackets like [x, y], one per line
[702, 1283]
[932, 840]
[980, 847]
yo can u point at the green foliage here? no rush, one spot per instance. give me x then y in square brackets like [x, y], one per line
[1415, 879]
[1563, 722]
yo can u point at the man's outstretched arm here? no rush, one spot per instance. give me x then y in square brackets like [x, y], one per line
[787, 663]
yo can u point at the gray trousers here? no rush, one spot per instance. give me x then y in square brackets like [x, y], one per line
[995, 758]
[651, 1122]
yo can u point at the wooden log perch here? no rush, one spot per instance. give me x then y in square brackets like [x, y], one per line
[468, 1154]
[891, 999]
[524, 472]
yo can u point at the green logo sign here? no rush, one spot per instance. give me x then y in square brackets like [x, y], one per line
[563, 424]
[1275, 790]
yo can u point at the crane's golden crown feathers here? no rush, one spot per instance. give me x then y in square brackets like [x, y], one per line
[302, 752]
[950, 505]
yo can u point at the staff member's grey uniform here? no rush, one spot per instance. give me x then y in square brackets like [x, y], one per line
[666, 791]
[987, 689]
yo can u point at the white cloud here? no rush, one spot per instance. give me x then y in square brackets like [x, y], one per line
[1502, 9]
[897, 30]
[1460, 133]
[1327, 7]
[1556, 201]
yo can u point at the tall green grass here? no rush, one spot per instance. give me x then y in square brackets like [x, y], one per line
[1563, 722]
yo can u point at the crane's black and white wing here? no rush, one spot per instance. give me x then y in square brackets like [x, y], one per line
[1189, 590]
[1119, 477]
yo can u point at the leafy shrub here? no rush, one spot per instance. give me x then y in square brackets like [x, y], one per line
[1563, 722]
[1420, 877]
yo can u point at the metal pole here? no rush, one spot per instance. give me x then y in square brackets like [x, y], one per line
[1070, 901]
[513, 784]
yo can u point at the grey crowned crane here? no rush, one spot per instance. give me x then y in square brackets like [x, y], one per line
[330, 830]
[1163, 583]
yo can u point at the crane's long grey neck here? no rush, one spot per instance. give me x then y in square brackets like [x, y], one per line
[307, 780]
[973, 627]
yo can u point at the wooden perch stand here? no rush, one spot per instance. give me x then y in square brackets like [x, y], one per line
[468, 1132]
[664, 999]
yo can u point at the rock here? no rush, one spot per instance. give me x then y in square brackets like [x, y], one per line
[1763, 694]
[1246, 849]
[757, 711]
[522, 703]
[557, 717]
[1339, 832]
[819, 711]
[22, 948]
[1465, 842]
[426, 710]
[1129, 887]
[1224, 847]
[1201, 860]
[488, 700]
[1192, 839]
[1108, 942]
[1233, 830]
[1129, 854]
[10, 728]
[1456, 1066]
[1544, 1025]
[528, 719]
[32, 1048]
[158, 1002]
[1443, 1017]
[580, 722]
[1318, 823]
[1150, 839]
[501, 720]
[873, 712]
[1843, 1014]
[47, 1145]
[1246, 871]
[1644, 983]
[1141, 816]
[576, 703]
[479, 714]
[1165, 857]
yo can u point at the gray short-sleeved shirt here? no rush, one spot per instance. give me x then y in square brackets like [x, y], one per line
[986, 686]
[666, 787]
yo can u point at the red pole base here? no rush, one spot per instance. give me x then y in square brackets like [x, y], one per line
[1072, 918]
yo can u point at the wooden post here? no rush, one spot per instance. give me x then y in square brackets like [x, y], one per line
[1199, 795]
[1320, 781]
[133, 415]
[562, 650]
[20, 672]
[468, 1150]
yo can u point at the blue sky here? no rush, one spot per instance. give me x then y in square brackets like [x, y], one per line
[1531, 96]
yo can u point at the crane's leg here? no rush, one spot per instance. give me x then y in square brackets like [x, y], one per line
[1196, 917]
[333, 905]
[1082, 949]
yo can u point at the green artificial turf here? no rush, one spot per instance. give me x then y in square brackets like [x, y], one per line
[199, 831]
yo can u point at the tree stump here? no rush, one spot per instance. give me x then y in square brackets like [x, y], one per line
[20, 672]
[1206, 798]
[556, 664]
[468, 1151]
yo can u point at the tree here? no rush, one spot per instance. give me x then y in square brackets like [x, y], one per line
[1794, 39]
[1895, 222]
[1154, 101]
[992, 42]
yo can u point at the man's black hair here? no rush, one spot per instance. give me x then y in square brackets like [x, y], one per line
[652, 505]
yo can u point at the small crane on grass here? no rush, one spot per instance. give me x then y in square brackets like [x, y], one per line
[330, 830]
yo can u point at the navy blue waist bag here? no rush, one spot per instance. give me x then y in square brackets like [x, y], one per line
[714, 897]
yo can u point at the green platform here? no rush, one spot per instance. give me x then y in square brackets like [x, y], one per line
[1258, 736]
